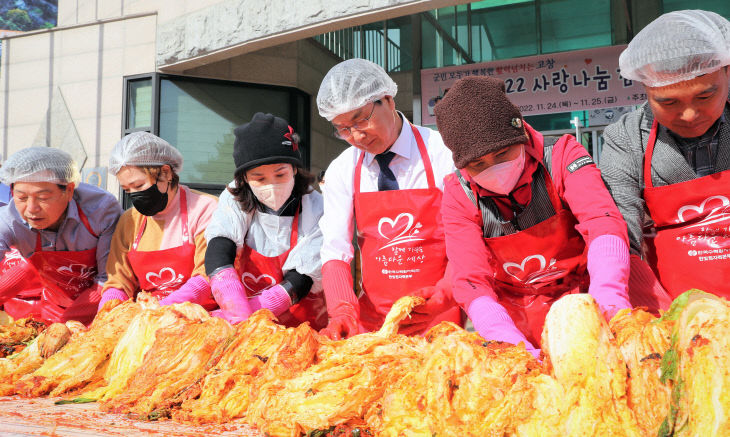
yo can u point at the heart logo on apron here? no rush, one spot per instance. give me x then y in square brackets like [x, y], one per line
[257, 283]
[514, 269]
[78, 270]
[391, 232]
[166, 278]
[714, 216]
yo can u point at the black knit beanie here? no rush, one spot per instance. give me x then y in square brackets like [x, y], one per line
[475, 117]
[266, 139]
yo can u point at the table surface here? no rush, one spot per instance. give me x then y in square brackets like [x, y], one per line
[39, 416]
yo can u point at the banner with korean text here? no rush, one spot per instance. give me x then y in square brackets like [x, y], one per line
[559, 82]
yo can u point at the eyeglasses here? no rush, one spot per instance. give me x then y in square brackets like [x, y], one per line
[344, 132]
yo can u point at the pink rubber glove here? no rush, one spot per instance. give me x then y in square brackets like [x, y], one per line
[608, 267]
[275, 298]
[195, 290]
[230, 318]
[492, 322]
[111, 293]
[342, 305]
[228, 291]
[254, 303]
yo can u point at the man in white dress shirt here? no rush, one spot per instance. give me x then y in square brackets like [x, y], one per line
[388, 184]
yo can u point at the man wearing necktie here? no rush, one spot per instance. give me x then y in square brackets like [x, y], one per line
[389, 184]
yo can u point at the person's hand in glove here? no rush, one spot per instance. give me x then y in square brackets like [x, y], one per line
[344, 324]
[492, 322]
[608, 267]
[111, 293]
[230, 295]
[195, 290]
[275, 298]
[438, 300]
[342, 305]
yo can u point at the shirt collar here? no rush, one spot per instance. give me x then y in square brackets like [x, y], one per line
[402, 145]
[690, 142]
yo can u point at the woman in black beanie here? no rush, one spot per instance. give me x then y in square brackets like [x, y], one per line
[264, 238]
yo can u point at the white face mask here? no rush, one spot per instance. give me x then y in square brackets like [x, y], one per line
[273, 195]
[501, 178]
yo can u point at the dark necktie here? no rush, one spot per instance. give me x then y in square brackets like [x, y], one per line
[386, 178]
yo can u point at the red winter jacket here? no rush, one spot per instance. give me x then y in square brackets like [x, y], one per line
[583, 191]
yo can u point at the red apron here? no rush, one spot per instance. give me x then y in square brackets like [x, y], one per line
[68, 282]
[402, 246]
[26, 303]
[535, 267]
[691, 248]
[259, 272]
[160, 272]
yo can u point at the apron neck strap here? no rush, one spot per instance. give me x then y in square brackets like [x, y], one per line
[550, 186]
[649, 153]
[84, 221]
[295, 228]
[183, 218]
[424, 157]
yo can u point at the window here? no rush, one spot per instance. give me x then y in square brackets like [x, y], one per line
[491, 30]
[198, 117]
[574, 24]
[139, 104]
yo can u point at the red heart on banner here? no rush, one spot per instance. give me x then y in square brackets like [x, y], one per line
[588, 60]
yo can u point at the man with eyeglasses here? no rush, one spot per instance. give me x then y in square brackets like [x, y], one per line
[61, 230]
[389, 183]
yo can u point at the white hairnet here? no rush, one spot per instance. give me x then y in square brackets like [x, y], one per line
[352, 84]
[677, 46]
[40, 164]
[143, 149]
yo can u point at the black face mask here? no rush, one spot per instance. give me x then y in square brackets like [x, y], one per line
[150, 201]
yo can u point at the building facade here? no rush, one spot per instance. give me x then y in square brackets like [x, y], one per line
[190, 71]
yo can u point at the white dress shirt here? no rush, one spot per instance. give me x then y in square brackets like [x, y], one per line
[338, 219]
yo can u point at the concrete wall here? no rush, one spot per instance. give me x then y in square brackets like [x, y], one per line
[66, 84]
[194, 33]
[72, 12]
